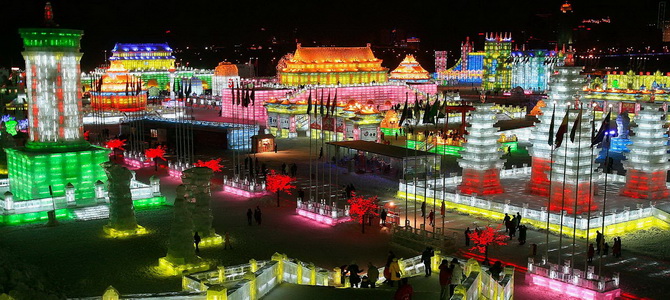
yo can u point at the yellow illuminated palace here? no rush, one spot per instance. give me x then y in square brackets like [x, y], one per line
[331, 65]
[144, 57]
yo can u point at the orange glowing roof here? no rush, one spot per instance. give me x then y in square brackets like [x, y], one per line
[410, 69]
[117, 79]
[226, 69]
[333, 54]
[333, 59]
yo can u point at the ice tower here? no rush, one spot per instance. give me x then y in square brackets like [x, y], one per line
[480, 160]
[564, 84]
[56, 154]
[571, 188]
[647, 163]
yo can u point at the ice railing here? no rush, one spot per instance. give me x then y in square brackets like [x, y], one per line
[252, 186]
[138, 190]
[575, 277]
[433, 189]
[256, 278]
[323, 209]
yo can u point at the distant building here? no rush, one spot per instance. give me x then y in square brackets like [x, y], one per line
[410, 70]
[144, 57]
[225, 76]
[531, 69]
[440, 61]
[332, 65]
[497, 61]
[468, 69]
[119, 91]
[666, 31]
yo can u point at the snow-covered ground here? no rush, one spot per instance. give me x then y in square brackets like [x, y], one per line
[78, 258]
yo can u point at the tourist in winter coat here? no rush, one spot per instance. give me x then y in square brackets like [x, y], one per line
[405, 291]
[445, 279]
[456, 274]
[354, 278]
[373, 274]
[426, 257]
[394, 269]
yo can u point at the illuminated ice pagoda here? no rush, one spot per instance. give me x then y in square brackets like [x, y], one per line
[410, 70]
[564, 85]
[571, 188]
[332, 65]
[57, 169]
[647, 163]
[119, 91]
[480, 157]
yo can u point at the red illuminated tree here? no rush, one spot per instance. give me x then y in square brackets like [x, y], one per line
[482, 239]
[276, 183]
[154, 154]
[214, 164]
[360, 207]
[115, 144]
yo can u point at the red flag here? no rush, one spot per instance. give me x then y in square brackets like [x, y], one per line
[442, 209]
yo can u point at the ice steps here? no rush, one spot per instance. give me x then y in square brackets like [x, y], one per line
[92, 213]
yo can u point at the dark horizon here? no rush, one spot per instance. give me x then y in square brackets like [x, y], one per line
[200, 23]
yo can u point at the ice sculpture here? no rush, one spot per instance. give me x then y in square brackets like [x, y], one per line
[181, 254]
[647, 163]
[480, 160]
[197, 184]
[122, 220]
[564, 84]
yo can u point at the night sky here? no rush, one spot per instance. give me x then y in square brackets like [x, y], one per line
[199, 23]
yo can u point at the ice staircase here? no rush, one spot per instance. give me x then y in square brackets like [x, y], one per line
[503, 116]
[92, 213]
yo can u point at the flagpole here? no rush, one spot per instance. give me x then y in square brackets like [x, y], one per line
[588, 216]
[607, 156]
[565, 169]
[574, 224]
[551, 172]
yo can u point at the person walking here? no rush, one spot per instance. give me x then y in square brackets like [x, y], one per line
[196, 240]
[321, 153]
[275, 147]
[467, 237]
[394, 270]
[426, 257]
[599, 238]
[423, 209]
[445, 279]
[456, 275]
[606, 248]
[431, 218]
[373, 275]
[506, 222]
[590, 253]
[518, 219]
[382, 216]
[249, 215]
[257, 215]
[226, 241]
[522, 234]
